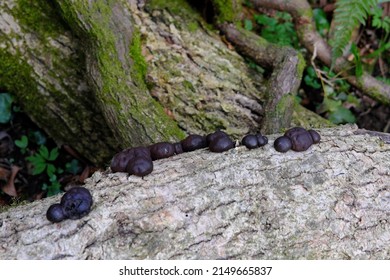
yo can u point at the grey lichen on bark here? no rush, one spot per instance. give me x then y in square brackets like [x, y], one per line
[191, 72]
[329, 202]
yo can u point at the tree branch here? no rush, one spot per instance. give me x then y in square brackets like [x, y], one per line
[329, 202]
[309, 37]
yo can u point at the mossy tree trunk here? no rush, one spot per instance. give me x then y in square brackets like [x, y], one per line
[105, 75]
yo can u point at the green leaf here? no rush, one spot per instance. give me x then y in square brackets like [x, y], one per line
[22, 143]
[39, 167]
[358, 63]
[248, 25]
[51, 169]
[73, 166]
[44, 152]
[5, 107]
[347, 16]
[342, 115]
[53, 154]
[53, 189]
[321, 21]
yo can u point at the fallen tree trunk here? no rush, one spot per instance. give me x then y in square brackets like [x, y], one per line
[329, 202]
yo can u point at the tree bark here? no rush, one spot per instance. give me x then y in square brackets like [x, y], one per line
[329, 202]
[89, 73]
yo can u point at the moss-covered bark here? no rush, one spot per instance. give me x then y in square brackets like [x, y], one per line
[40, 64]
[116, 70]
[113, 80]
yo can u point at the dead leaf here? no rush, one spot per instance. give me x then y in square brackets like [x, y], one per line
[9, 187]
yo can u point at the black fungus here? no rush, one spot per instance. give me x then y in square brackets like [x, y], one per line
[55, 213]
[282, 144]
[121, 159]
[221, 144]
[142, 152]
[250, 141]
[178, 148]
[140, 166]
[300, 138]
[76, 203]
[212, 136]
[193, 142]
[315, 136]
[161, 150]
[262, 140]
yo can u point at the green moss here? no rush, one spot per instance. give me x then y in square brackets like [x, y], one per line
[38, 16]
[193, 26]
[129, 98]
[189, 85]
[226, 11]
[17, 77]
[140, 67]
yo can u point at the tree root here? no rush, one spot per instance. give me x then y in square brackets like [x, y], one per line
[301, 12]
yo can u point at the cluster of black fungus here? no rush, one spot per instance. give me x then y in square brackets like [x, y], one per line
[297, 139]
[139, 160]
[75, 203]
[253, 141]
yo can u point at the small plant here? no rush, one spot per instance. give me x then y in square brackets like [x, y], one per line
[53, 188]
[43, 160]
[279, 29]
[322, 23]
[311, 78]
[22, 144]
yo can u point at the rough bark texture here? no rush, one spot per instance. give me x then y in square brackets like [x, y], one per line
[42, 65]
[83, 82]
[311, 39]
[329, 202]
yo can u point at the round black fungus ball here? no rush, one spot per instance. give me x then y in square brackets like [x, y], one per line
[76, 203]
[221, 144]
[193, 142]
[178, 148]
[161, 150]
[261, 140]
[250, 141]
[140, 166]
[142, 152]
[121, 159]
[55, 213]
[212, 136]
[282, 144]
[315, 136]
[300, 138]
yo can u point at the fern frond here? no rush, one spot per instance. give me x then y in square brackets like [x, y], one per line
[347, 16]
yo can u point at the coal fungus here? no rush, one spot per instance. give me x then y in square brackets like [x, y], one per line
[55, 213]
[76, 203]
[252, 141]
[193, 142]
[220, 144]
[300, 138]
[140, 166]
[161, 150]
[282, 144]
